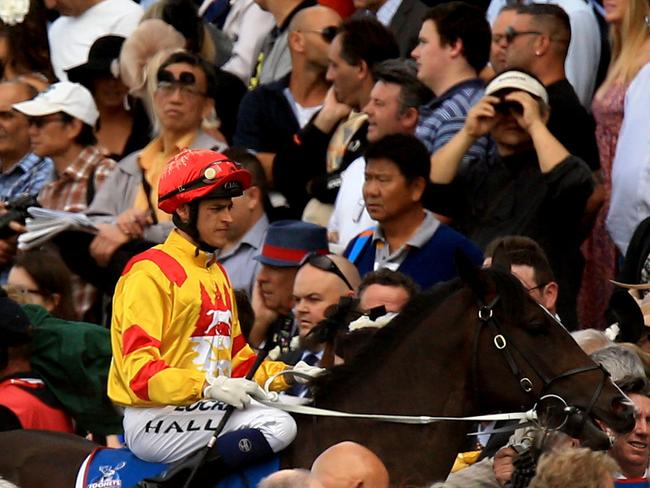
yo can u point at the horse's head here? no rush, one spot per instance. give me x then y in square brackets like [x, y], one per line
[519, 343]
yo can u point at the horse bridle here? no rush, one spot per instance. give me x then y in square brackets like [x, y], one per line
[487, 319]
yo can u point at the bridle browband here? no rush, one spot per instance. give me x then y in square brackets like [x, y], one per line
[488, 320]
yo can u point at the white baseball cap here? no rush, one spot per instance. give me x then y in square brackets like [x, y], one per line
[517, 80]
[71, 98]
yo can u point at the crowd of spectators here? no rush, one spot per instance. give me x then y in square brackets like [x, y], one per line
[383, 137]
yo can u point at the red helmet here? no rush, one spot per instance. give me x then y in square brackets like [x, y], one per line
[199, 173]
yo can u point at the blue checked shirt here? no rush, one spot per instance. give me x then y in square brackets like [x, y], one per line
[28, 176]
[445, 115]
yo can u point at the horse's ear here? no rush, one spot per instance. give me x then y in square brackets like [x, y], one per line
[500, 259]
[472, 275]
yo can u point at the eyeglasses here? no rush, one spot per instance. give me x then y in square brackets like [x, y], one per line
[511, 33]
[16, 290]
[326, 264]
[328, 33]
[8, 114]
[40, 122]
[538, 287]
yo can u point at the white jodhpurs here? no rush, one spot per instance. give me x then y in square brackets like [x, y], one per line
[167, 434]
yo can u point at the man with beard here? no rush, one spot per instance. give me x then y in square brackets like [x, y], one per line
[270, 114]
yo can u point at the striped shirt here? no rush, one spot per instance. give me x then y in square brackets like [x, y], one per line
[27, 177]
[69, 192]
[445, 115]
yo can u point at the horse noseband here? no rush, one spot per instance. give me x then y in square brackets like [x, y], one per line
[487, 318]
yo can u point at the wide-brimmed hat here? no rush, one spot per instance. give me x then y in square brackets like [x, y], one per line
[629, 311]
[102, 61]
[287, 243]
[70, 98]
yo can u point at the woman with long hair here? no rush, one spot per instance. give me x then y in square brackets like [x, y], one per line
[25, 50]
[630, 41]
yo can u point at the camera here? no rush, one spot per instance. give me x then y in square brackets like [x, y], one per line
[16, 211]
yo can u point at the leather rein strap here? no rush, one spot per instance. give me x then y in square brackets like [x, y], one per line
[488, 320]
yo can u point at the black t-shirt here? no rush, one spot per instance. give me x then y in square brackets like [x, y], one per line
[511, 196]
[571, 124]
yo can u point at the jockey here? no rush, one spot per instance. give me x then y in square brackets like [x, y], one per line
[179, 357]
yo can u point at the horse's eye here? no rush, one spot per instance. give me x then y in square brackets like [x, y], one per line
[536, 327]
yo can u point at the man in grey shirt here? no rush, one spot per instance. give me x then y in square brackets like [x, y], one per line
[248, 228]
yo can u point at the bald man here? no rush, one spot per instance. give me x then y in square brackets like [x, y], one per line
[271, 114]
[290, 478]
[320, 283]
[350, 465]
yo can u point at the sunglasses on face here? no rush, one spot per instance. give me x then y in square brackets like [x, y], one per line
[186, 83]
[328, 33]
[511, 34]
[40, 122]
[325, 263]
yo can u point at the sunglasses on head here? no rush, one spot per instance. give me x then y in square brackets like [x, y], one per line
[325, 263]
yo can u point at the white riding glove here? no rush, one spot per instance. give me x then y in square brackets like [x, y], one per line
[306, 372]
[233, 391]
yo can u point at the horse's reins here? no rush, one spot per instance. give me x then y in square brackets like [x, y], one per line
[399, 419]
[486, 318]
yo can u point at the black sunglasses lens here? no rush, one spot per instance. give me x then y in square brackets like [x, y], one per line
[321, 262]
[329, 33]
[187, 78]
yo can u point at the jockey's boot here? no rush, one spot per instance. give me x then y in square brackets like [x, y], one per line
[232, 452]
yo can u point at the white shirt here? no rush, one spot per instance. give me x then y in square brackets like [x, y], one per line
[247, 25]
[582, 60]
[350, 215]
[630, 202]
[71, 37]
[303, 114]
[387, 11]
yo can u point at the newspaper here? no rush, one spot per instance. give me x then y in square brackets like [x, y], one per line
[44, 224]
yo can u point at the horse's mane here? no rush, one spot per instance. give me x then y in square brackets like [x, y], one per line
[386, 338]
[389, 337]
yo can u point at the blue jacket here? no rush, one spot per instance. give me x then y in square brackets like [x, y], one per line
[428, 265]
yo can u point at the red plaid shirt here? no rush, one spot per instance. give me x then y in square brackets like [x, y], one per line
[69, 192]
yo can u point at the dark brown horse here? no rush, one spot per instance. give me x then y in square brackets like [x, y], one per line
[475, 345]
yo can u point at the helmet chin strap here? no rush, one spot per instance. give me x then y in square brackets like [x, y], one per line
[191, 229]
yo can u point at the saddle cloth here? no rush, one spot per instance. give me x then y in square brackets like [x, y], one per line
[120, 468]
[632, 483]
